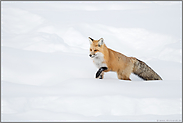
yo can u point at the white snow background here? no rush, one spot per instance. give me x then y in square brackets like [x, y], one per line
[47, 75]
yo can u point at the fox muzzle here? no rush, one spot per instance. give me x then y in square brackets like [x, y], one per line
[92, 56]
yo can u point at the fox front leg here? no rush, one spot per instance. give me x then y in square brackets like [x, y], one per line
[100, 71]
[101, 75]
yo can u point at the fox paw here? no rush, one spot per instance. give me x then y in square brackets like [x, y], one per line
[101, 77]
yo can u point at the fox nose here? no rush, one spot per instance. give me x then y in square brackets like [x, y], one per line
[90, 55]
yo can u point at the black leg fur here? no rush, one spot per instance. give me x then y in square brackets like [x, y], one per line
[100, 71]
[100, 77]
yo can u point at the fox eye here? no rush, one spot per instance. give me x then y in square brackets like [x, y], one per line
[90, 49]
[95, 50]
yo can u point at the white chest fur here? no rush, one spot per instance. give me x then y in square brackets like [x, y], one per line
[99, 60]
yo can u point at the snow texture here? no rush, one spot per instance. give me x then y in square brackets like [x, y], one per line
[47, 74]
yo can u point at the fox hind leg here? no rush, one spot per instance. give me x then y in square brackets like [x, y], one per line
[123, 76]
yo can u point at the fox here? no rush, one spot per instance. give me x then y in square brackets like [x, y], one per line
[107, 60]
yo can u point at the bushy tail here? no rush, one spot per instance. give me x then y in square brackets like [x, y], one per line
[144, 71]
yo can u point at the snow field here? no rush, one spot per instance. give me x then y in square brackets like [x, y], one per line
[47, 74]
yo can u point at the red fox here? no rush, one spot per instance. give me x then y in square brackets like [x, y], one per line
[109, 60]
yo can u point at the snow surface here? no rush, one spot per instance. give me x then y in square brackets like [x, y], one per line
[47, 75]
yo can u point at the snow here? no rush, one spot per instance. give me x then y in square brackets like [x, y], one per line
[47, 75]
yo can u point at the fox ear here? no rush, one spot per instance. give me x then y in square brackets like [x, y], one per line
[91, 40]
[100, 42]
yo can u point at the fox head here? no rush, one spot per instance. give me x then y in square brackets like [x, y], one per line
[95, 47]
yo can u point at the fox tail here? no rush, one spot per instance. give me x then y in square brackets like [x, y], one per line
[142, 70]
